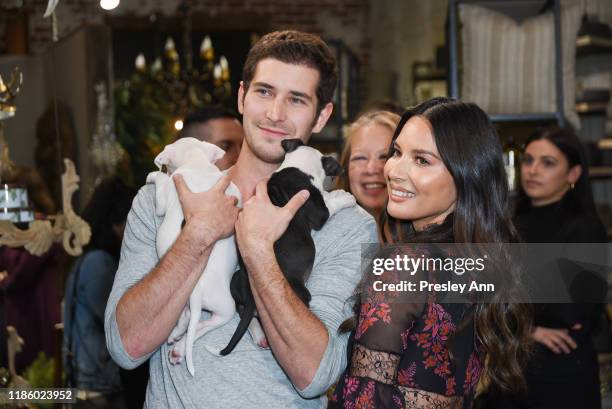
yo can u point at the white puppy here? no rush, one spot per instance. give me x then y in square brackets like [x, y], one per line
[194, 160]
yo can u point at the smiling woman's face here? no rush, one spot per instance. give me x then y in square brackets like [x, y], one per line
[420, 187]
[369, 147]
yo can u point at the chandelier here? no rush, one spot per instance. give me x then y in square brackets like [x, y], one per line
[188, 86]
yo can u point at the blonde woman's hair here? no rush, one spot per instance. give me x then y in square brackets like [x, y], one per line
[387, 119]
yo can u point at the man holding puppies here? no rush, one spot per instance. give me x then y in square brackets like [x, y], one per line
[288, 82]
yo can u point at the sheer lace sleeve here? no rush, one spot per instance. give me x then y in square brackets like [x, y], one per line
[387, 311]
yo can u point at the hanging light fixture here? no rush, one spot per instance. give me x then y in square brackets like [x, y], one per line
[109, 4]
[190, 84]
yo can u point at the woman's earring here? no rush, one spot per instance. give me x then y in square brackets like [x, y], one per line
[572, 186]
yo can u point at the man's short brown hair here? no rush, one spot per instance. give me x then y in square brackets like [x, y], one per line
[296, 47]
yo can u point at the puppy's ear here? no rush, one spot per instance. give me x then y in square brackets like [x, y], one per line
[213, 152]
[165, 157]
[315, 209]
[289, 145]
[331, 166]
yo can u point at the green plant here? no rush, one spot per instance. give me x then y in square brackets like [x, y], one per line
[40, 375]
[143, 123]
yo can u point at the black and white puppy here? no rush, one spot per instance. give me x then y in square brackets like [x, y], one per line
[303, 168]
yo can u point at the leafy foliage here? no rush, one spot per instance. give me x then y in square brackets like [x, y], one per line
[143, 123]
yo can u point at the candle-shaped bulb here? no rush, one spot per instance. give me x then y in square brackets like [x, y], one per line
[225, 74]
[157, 65]
[169, 44]
[217, 74]
[206, 51]
[140, 63]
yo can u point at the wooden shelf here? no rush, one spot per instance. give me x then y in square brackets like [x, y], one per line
[534, 117]
[604, 143]
[592, 108]
[600, 172]
[589, 45]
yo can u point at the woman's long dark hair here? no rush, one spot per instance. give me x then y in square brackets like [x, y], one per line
[578, 200]
[108, 206]
[471, 151]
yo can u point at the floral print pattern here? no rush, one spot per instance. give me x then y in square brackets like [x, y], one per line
[474, 369]
[425, 363]
[438, 326]
[369, 314]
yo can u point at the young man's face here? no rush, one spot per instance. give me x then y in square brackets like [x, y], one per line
[280, 103]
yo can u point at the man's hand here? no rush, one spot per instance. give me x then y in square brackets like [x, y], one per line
[261, 223]
[211, 215]
[557, 340]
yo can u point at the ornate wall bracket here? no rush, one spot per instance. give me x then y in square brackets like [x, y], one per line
[67, 227]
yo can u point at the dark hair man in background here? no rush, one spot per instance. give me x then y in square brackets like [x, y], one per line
[218, 125]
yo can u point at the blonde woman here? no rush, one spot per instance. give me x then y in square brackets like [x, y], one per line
[363, 159]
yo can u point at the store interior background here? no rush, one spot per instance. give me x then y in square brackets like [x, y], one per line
[392, 50]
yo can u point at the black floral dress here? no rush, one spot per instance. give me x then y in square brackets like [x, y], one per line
[408, 351]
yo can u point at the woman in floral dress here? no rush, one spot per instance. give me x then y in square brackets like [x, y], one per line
[446, 183]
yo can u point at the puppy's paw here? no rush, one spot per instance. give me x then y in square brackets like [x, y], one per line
[174, 357]
[174, 338]
[176, 354]
[263, 343]
[257, 334]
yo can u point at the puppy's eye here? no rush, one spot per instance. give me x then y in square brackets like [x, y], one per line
[311, 178]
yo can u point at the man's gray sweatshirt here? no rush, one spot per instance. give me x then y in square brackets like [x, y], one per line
[249, 377]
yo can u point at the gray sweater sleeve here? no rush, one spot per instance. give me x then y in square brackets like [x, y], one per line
[138, 258]
[336, 272]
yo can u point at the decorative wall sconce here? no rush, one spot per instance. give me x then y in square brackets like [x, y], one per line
[66, 226]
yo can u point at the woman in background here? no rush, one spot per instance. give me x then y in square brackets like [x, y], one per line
[363, 158]
[446, 183]
[89, 366]
[555, 205]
